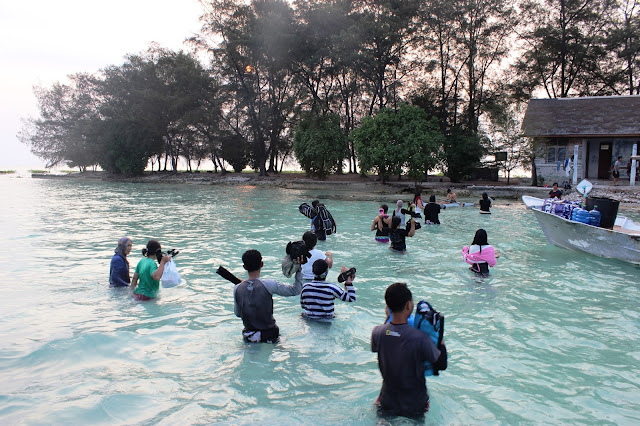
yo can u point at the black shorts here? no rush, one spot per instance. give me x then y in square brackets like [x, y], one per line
[616, 174]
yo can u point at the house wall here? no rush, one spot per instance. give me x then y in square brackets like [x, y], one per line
[620, 147]
[553, 172]
[623, 147]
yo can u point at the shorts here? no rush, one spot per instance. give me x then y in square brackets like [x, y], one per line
[270, 335]
[616, 175]
[382, 239]
[141, 297]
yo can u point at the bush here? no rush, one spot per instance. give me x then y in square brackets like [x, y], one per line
[320, 145]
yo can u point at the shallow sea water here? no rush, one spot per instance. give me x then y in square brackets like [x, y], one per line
[552, 336]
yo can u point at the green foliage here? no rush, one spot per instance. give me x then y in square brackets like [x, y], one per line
[394, 141]
[320, 145]
[126, 147]
[462, 153]
[234, 151]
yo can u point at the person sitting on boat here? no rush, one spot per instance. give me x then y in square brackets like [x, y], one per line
[431, 211]
[119, 268]
[310, 240]
[398, 212]
[381, 226]
[451, 196]
[485, 204]
[398, 234]
[480, 255]
[318, 295]
[555, 192]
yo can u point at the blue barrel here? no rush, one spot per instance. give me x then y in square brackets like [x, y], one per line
[580, 215]
[595, 217]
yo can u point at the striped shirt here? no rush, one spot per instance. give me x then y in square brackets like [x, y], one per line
[317, 298]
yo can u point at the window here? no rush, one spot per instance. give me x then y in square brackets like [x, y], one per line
[556, 152]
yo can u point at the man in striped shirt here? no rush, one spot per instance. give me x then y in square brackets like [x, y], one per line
[317, 296]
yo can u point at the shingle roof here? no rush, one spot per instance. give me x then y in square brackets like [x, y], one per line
[580, 117]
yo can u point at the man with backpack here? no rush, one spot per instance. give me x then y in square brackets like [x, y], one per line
[402, 352]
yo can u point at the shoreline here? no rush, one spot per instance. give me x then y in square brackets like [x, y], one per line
[357, 186]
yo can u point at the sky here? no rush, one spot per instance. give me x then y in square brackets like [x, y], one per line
[42, 42]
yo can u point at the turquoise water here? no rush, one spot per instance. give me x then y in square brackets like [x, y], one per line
[551, 337]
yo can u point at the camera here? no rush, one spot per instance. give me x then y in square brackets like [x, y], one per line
[296, 249]
[410, 213]
[173, 253]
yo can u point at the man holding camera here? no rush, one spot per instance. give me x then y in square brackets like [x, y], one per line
[253, 299]
[402, 351]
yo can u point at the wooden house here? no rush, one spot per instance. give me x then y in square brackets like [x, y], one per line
[602, 127]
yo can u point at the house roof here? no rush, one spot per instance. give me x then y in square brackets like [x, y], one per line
[601, 116]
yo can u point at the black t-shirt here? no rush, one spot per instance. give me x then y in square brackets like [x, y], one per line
[557, 193]
[431, 212]
[397, 239]
[485, 205]
[402, 351]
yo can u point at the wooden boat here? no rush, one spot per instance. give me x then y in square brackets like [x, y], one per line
[622, 242]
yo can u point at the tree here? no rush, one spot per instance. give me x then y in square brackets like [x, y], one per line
[624, 40]
[64, 130]
[462, 153]
[394, 141]
[505, 136]
[564, 48]
[251, 44]
[320, 145]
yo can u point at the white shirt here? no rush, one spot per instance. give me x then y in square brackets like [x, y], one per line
[307, 268]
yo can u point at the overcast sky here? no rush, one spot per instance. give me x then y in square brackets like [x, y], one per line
[44, 41]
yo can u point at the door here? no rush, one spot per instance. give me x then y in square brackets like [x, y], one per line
[604, 160]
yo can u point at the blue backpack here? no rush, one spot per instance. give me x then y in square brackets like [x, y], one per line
[431, 322]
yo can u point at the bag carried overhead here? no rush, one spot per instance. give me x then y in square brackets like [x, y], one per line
[307, 210]
[326, 220]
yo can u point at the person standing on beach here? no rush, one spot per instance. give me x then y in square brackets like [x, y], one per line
[616, 170]
[402, 351]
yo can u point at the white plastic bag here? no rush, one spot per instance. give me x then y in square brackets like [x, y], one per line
[170, 276]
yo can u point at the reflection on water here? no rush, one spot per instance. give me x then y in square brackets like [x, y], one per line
[550, 336]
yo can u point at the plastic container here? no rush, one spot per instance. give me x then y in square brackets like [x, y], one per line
[580, 215]
[595, 217]
[607, 207]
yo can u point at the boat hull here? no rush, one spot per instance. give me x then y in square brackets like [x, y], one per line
[578, 236]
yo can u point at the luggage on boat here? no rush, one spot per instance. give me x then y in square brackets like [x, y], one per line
[580, 215]
[560, 208]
